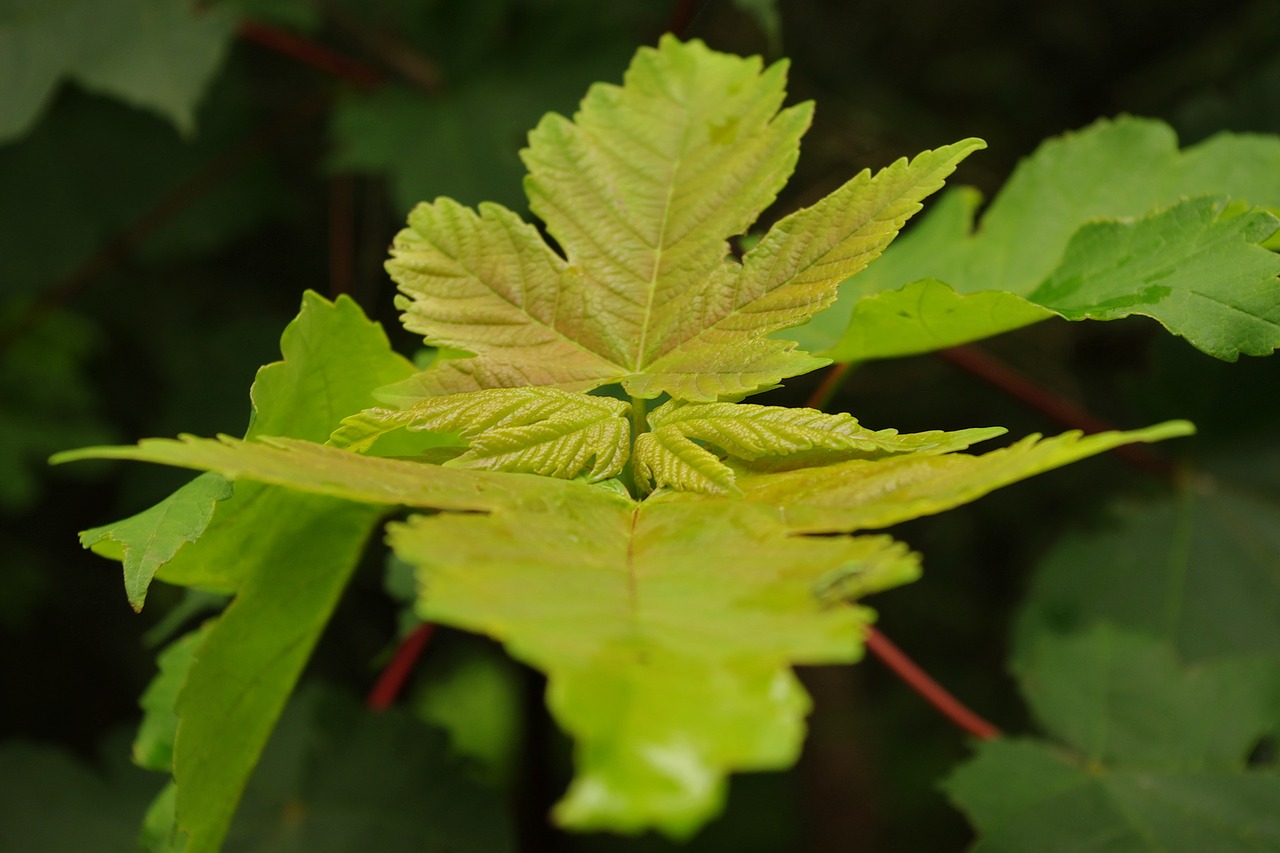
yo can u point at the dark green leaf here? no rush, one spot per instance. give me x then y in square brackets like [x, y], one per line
[1027, 795]
[51, 802]
[1200, 570]
[336, 778]
[1156, 759]
[154, 54]
[153, 745]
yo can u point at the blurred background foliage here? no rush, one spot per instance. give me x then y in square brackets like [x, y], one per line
[174, 175]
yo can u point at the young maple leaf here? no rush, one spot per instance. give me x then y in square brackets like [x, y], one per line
[642, 191]
[667, 626]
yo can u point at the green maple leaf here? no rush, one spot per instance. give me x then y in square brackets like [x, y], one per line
[667, 676]
[1149, 754]
[1103, 223]
[667, 626]
[249, 659]
[642, 191]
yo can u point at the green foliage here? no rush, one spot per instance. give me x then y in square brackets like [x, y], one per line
[1084, 230]
[674, 452]
[1145, 649]
[495, 67]
[252, 655]
[44, 785]
[645, 295]
[335, 778]
[535, 430]
[665, 676]
[1142, 766]
[668, 619]
[868, 494]
[151, 538]
[1196, 570]
[153, 745]
[63, 207]
[156, 54]
[472, 693]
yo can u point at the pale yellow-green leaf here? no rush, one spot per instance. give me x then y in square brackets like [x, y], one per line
[668, 639]
[360, 431]
[675, 455]
[641, 192]
[716, 344]
[888, 442]
[647, 182]
[309, 467]
[536, 430]
[489, 285]
[670, 458]
[861, 494]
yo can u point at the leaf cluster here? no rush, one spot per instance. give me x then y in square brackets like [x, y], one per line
[666, 601]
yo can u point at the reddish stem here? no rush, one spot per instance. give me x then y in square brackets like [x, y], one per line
[995, 372]
[309, 53]
[880, 645]
[827, 388]
[933, 692]
[681, 17]
[396, 673]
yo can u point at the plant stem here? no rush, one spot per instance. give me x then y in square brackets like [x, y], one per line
[420, 70]
[307, 52]
[830, 384]
[995, 372]
[880, 645]
[396, 674]
[932, 692]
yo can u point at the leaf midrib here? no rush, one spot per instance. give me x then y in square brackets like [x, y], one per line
[651, 286]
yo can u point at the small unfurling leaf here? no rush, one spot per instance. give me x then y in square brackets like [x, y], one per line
[675, 455]
[533, 430]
